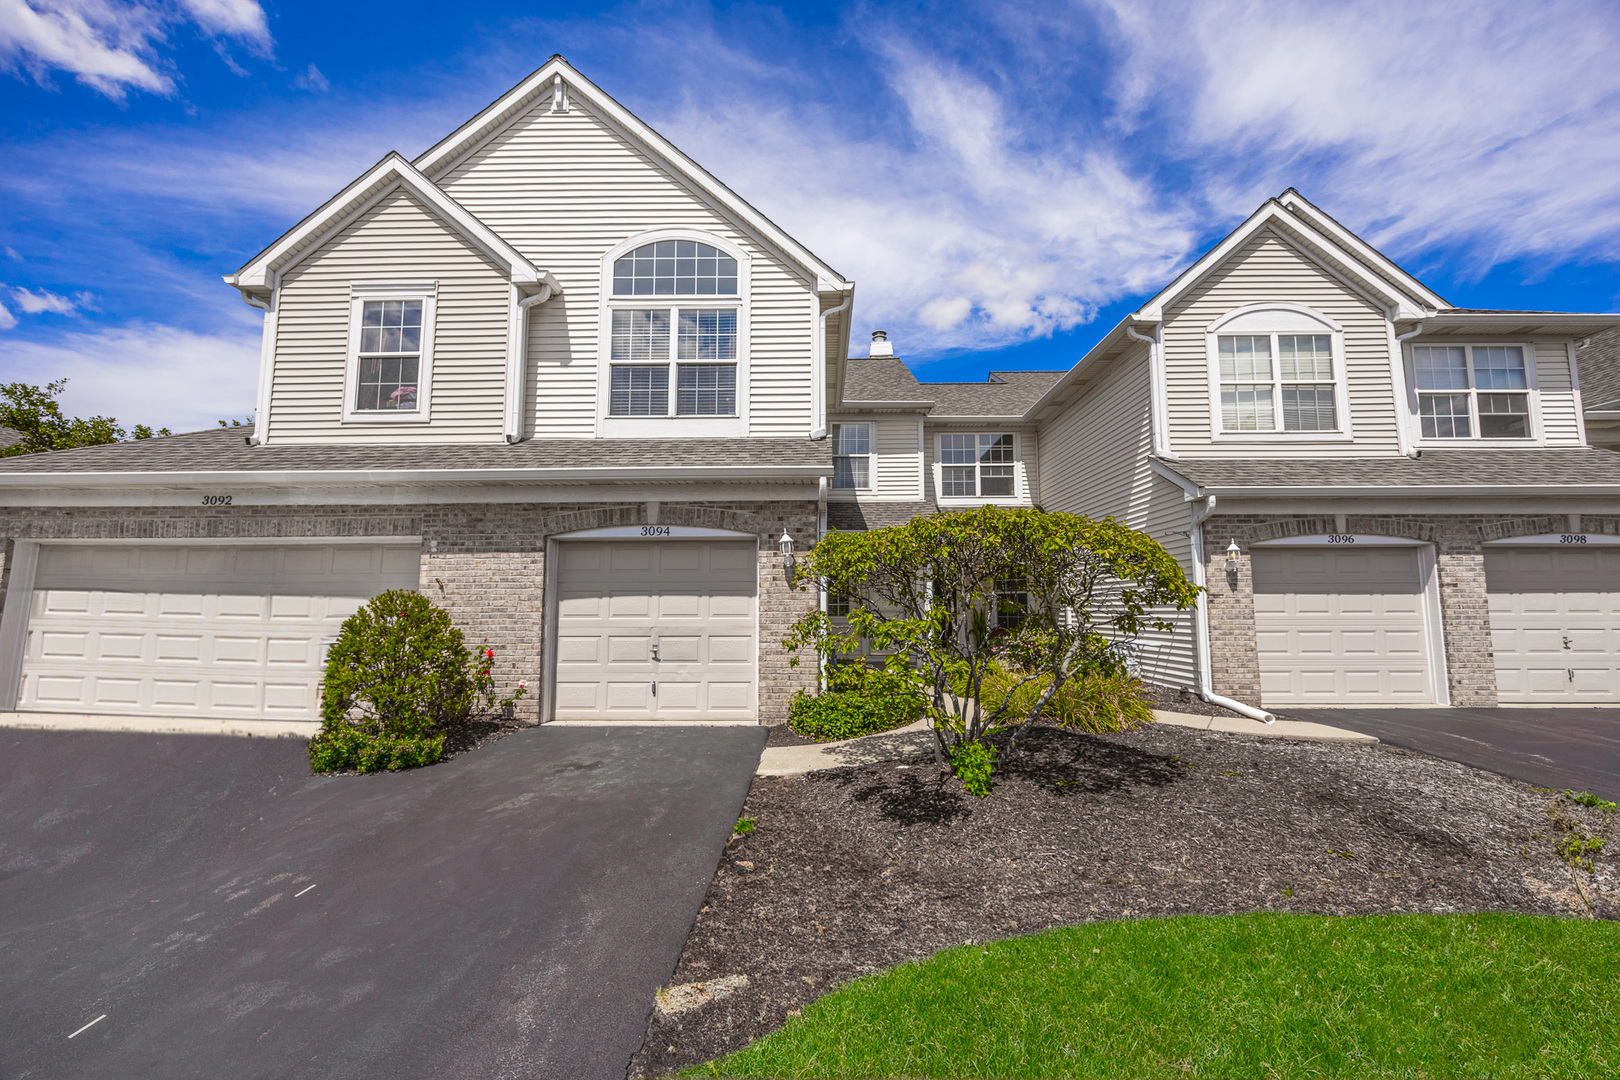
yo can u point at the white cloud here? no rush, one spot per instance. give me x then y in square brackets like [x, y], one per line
[114, 47]
[43, 300]
[7, 319]
[312, 79]
[144, 373]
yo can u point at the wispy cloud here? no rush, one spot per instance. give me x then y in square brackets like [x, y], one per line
[312, 79]
[38, 301]
[7, 319]
[116, 47]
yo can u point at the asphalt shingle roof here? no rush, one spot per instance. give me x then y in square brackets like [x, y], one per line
[1005, 393]
[9, 436]
[1598, 362]
[224, 449]
[858, 517]
[1531, 466]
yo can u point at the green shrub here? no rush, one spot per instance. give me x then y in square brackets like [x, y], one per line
[858, 701]
[1097, 701]
[397, 678]
[974, 763]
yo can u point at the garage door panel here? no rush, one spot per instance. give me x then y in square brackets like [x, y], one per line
[680, 606]
[1555, 623]
[171, 692]
[629, 650]
[634, 697]
[731, 606]
[1340, 625]
[633, 606]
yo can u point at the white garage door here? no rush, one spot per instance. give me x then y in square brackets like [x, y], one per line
[656, 630]
[1555, 623]
[208, 631]
[1340, 625]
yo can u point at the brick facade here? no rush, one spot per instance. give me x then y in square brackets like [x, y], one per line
[1460, 556]
[483, 563]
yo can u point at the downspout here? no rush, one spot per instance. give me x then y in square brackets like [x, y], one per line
[1201, 614]
[821, 589]
[819, 398]
[1397, 363]
[518, 376]
[267, 358]
[1158, 415]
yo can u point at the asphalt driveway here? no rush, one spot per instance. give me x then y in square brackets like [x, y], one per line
[1556, 748]
[505, 914]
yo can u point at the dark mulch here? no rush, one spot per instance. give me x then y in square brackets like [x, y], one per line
[784, 735]
[853, 870]
[462, 738]
[1175, 699]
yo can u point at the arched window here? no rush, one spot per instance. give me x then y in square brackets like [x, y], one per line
[675, 268]
[1277, 368]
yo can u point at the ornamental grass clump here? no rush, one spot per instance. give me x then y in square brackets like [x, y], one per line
[398, 679]
[1103, 699]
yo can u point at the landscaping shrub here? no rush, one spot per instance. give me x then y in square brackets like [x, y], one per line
[398, 678]
[1098, 700]
[858, 701]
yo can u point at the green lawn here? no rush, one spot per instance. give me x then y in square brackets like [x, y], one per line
[1243, 996]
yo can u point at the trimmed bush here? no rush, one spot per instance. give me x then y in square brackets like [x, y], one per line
[858, 701]
[1098, 700]
[398, 678]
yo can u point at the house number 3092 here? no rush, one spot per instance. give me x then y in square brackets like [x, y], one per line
[216, 500]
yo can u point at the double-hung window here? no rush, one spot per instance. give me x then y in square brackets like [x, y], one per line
[1472, 391]
[390, 351]
[852, 456]
[652, 330]
[1277, 382]
[977, 466]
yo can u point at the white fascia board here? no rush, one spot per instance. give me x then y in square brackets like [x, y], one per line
[393, 170]
[1410, 491]
[1016, 418]
[1189, 489]
[862, 403]
[1109, 341]
[504, 108]
[1565, 322]
[308, 477]
[1324, 223]
[1273, 213]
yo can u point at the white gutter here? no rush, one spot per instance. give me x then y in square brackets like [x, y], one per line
[818, 392]
[1397, 376]
[1413, 491]
[1158, 410]
[267, 355]
[1201, 615]
[517, 353]
[282, 477]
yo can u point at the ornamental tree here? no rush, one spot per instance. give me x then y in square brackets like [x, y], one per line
[941, 597]
[36, 414]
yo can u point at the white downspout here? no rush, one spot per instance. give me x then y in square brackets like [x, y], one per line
[517, 374]
[1201, 615]
[1158, 413]
[267, 357]
[821, 589]
[1397, 364]
[818, 397]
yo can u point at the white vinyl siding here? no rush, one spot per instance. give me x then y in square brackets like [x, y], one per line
[1270, 270]
[1095, 462]
[1026, 465]
[896, 458]
[1560, 422]
[396, 240]
[565, 189]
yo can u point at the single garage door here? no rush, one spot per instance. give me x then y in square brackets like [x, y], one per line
[1340, 625]
[209, 631]
[656, 629]
[1555, 623]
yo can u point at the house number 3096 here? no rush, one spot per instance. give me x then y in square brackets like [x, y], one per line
[1340, 538]
[216, 500]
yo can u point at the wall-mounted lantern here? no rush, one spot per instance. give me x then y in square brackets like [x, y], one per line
[789, 564]
[1232, 553]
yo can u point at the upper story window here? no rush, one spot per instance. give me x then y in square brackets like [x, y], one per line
[1277, 382]
[852, 456]
[390, 351]
[647, 338]
[1472, 391]
[978, 466]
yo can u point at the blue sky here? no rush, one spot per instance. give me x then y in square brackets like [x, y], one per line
[1002, 181]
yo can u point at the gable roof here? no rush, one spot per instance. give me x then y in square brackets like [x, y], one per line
[506, 108]
[1382, 264]
[888, 382]
[391, 173]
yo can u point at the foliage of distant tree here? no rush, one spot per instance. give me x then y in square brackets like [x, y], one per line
[36, 414]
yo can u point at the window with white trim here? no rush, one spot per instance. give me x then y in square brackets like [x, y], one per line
[852, 456]
[390, 336]
[704, 338]
[1472, 391]
[1277, 382]
[978, 466]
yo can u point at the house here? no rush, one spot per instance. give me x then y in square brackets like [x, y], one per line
[1389, 500]
[550, 372]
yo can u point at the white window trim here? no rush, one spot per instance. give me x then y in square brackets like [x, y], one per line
[1020, 495]
[361, 291]
[1254, 313]
[672, 425]
[1538, 434]
[870, 455]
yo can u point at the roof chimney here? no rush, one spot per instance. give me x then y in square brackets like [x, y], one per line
[881, 345]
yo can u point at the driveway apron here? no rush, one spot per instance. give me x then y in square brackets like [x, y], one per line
[509, 913]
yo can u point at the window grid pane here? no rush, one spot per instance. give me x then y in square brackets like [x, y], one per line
[1440, 367]
[675, 268]
[706, 390]
[1305, 357]
[958, 449]
[1308, 408]
[852, 438]
[852, 472]
[708, 335]
[390, 327]
[1245, 358]
[1444, 416]
[1499, 367]
[640, 391]
[1504, 416]
[1247, 408]
[958, 481]
[640, 335]
[387, 382]
[995, 480]
[996, 448]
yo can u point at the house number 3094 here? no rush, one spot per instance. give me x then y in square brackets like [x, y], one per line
[216, 500]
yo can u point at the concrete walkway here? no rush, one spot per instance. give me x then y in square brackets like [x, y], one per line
[917, 739]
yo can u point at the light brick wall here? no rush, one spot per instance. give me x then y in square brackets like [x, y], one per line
[1464, 604]
[483, 563]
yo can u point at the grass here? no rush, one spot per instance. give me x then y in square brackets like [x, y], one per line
[1240, 996]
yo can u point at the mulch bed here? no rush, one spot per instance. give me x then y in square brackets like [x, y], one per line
[853, 870]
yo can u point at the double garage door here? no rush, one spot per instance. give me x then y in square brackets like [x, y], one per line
[209, 631]
[656, 629]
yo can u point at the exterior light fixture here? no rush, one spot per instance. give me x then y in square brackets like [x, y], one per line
[1232, 553]
[788, 562]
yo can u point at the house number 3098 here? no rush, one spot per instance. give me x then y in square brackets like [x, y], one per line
[216, 500]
